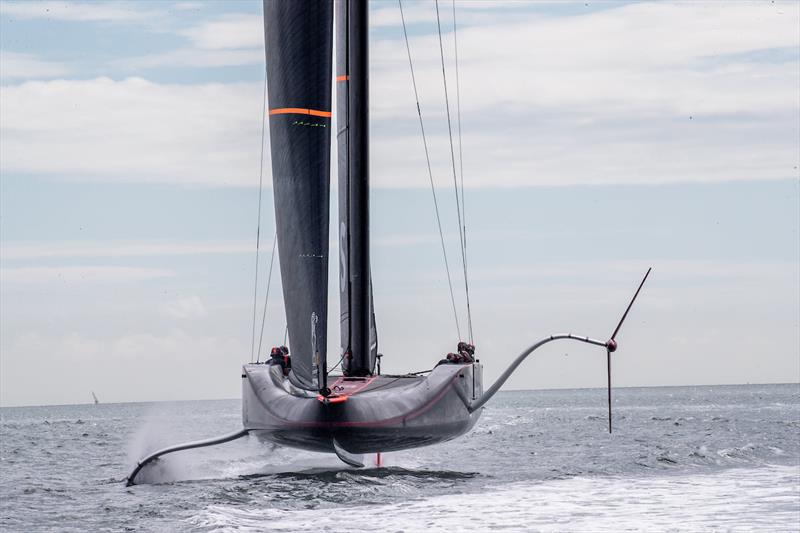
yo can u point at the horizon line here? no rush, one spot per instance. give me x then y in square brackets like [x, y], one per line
[601, 388]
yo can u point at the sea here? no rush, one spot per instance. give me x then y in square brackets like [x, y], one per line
[710, 458]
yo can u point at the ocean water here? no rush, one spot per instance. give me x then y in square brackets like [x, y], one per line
[715, 458]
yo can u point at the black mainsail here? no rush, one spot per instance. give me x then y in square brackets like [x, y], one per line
[298, 38]
[358, 333]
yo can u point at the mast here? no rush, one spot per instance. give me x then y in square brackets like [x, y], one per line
[359, 338]
[299, 41]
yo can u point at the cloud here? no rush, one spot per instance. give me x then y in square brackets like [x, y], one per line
[70, 275]
[640, 58]
[11, 250]
[118, 368]
[20, 250]
[79, 11]
[683, 329]
[550, 154]
[640, 93]
[475, 12]
[133, 130]
[188, 6]
[231, 40]
[15, 66]
[185, 308]
[194, 57]
[228, 32]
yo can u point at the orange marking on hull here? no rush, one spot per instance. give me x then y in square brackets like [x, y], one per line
[299, 111]
[337, 399]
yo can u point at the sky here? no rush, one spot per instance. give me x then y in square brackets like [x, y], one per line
[599, 139]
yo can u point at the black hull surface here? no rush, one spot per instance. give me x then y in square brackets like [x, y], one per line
[364, 415]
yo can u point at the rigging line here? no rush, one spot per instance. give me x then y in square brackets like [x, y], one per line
[461, 171]
[452, 157]
[258, 226]
[384, 385]
[430, 172]
[266, 298]
[337, 364]
[420, 372]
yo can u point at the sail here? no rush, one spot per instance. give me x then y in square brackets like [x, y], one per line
[373, 329]
[358, 333]
[299, 40]
[343, 174]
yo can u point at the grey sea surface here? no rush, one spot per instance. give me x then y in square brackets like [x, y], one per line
[712, 458]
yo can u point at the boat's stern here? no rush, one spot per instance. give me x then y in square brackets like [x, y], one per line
[376, 413]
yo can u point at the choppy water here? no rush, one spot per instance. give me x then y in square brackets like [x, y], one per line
[681, 458]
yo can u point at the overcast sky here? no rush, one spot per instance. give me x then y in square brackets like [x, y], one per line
[599, 138]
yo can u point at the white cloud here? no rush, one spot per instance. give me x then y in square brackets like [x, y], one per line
[569, 154]
[228, 32]
[690, 325]
[231, 40]
[641, 58]
[188, 6]
[108, 11]
[118, 368]
[15, 66]
[185, 308]
[70, 275]
[641, 93]
[133, 130]
[473, 12]
[21, 250]
[11, 250]
[194, 57]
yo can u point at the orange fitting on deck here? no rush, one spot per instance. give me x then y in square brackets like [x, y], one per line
[331, 399]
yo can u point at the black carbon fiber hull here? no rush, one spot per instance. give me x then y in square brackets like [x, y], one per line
[382, 414]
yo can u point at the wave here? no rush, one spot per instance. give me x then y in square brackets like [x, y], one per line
[577, 504]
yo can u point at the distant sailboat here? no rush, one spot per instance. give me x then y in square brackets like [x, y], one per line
[94, 396]
[294, 400]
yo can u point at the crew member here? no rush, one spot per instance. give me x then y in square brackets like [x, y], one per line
[467, 352]
[287, 360]
[279, 355]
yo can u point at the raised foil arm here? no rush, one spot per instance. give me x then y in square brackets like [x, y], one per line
[178, 447]
[477, 404]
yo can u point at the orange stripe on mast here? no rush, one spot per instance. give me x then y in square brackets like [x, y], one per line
[299, 111]
[343, 77]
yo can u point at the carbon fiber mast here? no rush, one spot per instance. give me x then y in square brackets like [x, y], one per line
[359, 339]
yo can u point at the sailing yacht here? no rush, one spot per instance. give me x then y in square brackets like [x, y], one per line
[359, 411]
[292, 399]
